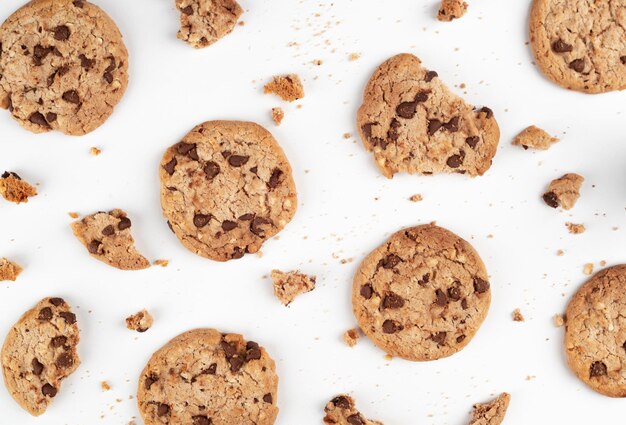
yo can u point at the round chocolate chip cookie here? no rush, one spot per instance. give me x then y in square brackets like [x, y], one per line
[414, 124]
[63, 66]
[581, 45]
[595, 332]
[422, 295]
[39, 352]
[204, 377]
[226, 188]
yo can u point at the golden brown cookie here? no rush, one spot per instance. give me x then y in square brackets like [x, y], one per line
[491, 413]
[289, 285]
[451, 9]
[534, 137]
[342, 410]
[203, 22]
[14, 189]
[9, 270]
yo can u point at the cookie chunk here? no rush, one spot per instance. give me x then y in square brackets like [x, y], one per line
[451, 9]
[107, 237]
[63, 66]
[287, 87]
[580, 45]
[341, 410]
[564, 191]
[412, 123]
[203, 22]
[575, 229]
[140, 321]
[288, 285]
[422, 295]
[14, 189]
[9, 270]
[491, 413]
[277, 115]
[595, 332]
[39, 352]
[204, 377]
[226, 188]
[534, 137]
[351, 337]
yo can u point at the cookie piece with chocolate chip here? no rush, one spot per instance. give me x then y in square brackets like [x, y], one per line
[226, 188]
[203, 22]
[140, 321]
[491, 413]
[580, 45]
[413, 124]
[205, 377]
[341, 410]
[108, 238]
[63, 66]
[451, 9]
[534, 137]
[39, 353]
[595, 332]
[14, 189]
[288, 285]
[422, 295]
[287, 87]
[564, 191]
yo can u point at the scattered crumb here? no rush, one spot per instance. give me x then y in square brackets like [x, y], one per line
[14, 189]
[564, 191]
[559, 320]
[140, 322]
[162, 263]
[530, 377]
[518, 316]
[575, 229]
[277, 115]
[388, 357]
[351, 337]
[416, 198]
[492, 412]
[534, 137]
[353, 56]
[73, 214]
[603, 263]
[288, 285]
[451, 9]
[346, 135]
[588, 269]
[317, 62]
[9, 270]
[241, 23]
[95, 151]
[560, 252]
[287, 87]
[105, 386]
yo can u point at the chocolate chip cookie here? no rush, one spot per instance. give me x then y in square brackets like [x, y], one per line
[203, 22]
[39, 352]
[422, 295]
[414, 124]
[491, 413]
[342, 410]
[226, 188]
[579, 44]
[204, 377]
[595, 332]
[63, 66]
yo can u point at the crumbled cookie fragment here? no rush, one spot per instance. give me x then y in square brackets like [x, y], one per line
[203, 22]
[140, 322]
[518, 316]
[559, 320]
[73, 214]
[14, 189]
[9, 270]
[95, 151]
[491, 413]
[288, 285]
[287, 87]
[341, 410]
[416, 198]
[277, 115]
[105, 386]
[451, 9]
[588, 269]
[534, 137]
[575, 229]
[564, 191]
[161, 262]
[351, 337]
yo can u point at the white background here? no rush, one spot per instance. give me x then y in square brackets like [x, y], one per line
[346, 208]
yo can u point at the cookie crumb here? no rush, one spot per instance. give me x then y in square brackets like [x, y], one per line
[346, 135]
[560, 252]
[575, 229]
[353, 56]
[351, 337]
[388, 357]
[288, 285]
[451, 9]
[559, 320]
[277, 115]
[416, 198]
[105, 386]
[9, 270]
[564, 191]
[95, 151]
[342, 410]
[140, 322]
[492, 412]
[518, 316]
[161, 262]
[287, 87]
[588, 269]
[317, 62]
[534, 137]
[14, 189]
[73, 214]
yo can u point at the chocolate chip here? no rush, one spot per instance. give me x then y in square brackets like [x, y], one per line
[64, 361]
[452, 125]
[78, 3]
[430, 75]
[406, 110]
[93, 246]
[367, 291]
[460, 339]
[355, 419]
[455, 161]
[454, 293]
[392, 300]
[597, 369]
[577, 65]
[391, 326]
[37, 367]
[464, 304]
[486, 111]
[40, 53]
[551, 199]
[433, 126]
[236, 363]
[226, 154]
[254, 169]
[108, 77]
[393, 133]
[211, 169]
[560, 46]
[275, 178]
[124, 223]
[237, 253]
[108, 231]
[56, 301]
[441, 299]
[51, 117]
[58, 341]
[61, 33]
[246, 217]
[211, 369]
[48, 390]
[481, 286]
[108, 72]
[367, 130]
[472, 141]
[623, 59]
[151, 379]
[38, 118]
[187, 10]
[389, 262]
[200, 420]
[184, 148]
[238, 160]
[439, 338]
[253, 352]
[71, 96]
[170, 166]
[422, 96]
[228, 225]
[424, 280]
[201, 220]
[45, 314]
[342, 402]
[86, 63]
[163, 409]
[70, 318]
[268, 398]
[255, 226]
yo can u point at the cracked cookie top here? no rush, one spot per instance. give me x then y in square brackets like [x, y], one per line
[422, 295]
[414, 124]
[203, 22]
[226, 188]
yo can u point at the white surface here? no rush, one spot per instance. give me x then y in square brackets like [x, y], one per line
[346, 209]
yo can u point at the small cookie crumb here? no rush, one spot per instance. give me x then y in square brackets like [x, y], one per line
[14, 189]
[353, 56]
[588, 268]
[140, 322]
[287, 87]
[416, 198]
[9, 270]
[162, 263]
[575, 229]
[518, 316]
[105, 386]
[288, 285]
[277, 115]
[346, 135]
[451, 9]
[534, 137]
[73, 214]
[95, 151]
[564, 191]
[559, 320]
[317, 62]
[560, 252]
[351, 337]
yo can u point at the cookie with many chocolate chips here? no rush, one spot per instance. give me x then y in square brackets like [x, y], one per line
[39, 352]
[413, 124]
[203, 22]
[342, 410]
[204, 377]
[226, 188]
[581, 44]
[422, 295]
[595, 332]
[63, 66]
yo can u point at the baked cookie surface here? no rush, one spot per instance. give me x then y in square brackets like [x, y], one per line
[595, 332]
[492, 412]
[580, 44]
[39, 352]
[203, 22]
[413, 124]
[341, 410]
[226, 188]
[204, 377]
[422, 295]
[63, 66]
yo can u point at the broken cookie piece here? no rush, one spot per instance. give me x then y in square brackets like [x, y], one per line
[341, 410]
[107, 237]
[288, 285]
[491, 413]
[203, 22]
[287, 87]
[564, 192]
[140, 322]
[518, 316]
[451, 9]
[534, 137]
[575, 229]
[9, 270]
[351, 337]
[277, 115]
[14, 189]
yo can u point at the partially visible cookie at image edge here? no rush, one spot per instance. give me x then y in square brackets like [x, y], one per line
[203, 22]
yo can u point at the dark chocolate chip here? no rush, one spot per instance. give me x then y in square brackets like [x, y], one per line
[454, 293]
[551, 199]
[187, 10]
[201, 220]
[430, 75]
[460, 339]
[78, 3]
[151, 379]
[455, 161]
[597, 369]
[71, 96]
[48, 390]
[61, 33]
[238, 160]
[452, 125]
[577, 65]
[163, 409]
[406, 110]
[391, 326]
[433, 126]
[200, 420]
[342, 402]
[392, 300]
[367, 291]
[64, 361]
[439, 338]
[472, 141]
[108, 231]
[211, 169]
[393, 133]
[86, 63]
[246, 217]
[355, 419]
[237, 253]
[486, 111]
[38, 118]
[70, 318]
[124, 223]
[58, 341]
[40, 53]
[422, 96]
[253, 351]
[108, 77]
[441, 299]
[56, 301]
[275, 178]
[367, 130]
[623, 59]
[464, 304]
[170, 166]
[268, 398]
[93, 246]
[45, 314]
[424, 280]
[255, 226]
[37, 367]
[481, 286]
[560, 46]
[389, 262]
[236, 363]
[51, 117]
[228, 225]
